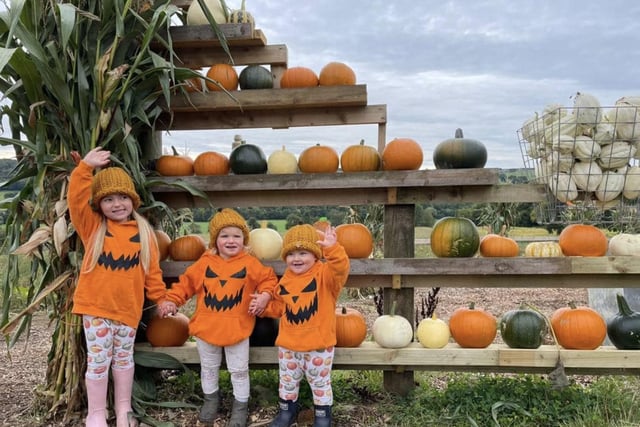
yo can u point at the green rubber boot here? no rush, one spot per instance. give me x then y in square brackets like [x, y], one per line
[210, 407]
[239, 414]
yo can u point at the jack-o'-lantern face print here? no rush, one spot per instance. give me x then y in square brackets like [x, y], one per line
[223, 293]
[302, 307]
[122, 261]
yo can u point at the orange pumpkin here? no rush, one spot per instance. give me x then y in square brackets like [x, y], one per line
[194, 84]
[225, 75]
[360, 158]
[297, 77]
[402, 154]
[211, 163]
[473, 327]
[174, 164]
[321, 224]
[356, 239]
[497, 245]
[583, 240]
[351, 327]
[318, 159]
[187, 248]
[578, 328]
[336, 74]
[170, 331]
[164, 241]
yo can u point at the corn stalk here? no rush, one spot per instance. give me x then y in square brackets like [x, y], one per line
[74, 75]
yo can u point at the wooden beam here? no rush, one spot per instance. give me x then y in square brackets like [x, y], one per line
[494, 358]
[204, 57]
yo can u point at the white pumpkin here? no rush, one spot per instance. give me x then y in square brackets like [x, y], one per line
[586, 175]
[631, 188]
[585, 148]
[282, 161]
[196, 16]
[563, 187]
[616, 155]
[624, 244]
[392, 330]
[433, 332]
[610, 186]
[265, 243]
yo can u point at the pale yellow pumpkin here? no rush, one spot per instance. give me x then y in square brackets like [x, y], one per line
[433, 332]
[282, 161]
[265, 243]
[543, 249]
[195, 15]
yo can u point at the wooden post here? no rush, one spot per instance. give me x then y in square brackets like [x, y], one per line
[399, 236]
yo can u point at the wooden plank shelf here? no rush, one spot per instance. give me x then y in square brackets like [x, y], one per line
[478, 272]
[272, 99]
[495, 358]
[276, 56]
[356, 188]
[193, 36]
[275, 119]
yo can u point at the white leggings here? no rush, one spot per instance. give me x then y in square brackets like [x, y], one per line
[237, 359]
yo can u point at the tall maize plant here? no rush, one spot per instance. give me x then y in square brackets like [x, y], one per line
[74, 75]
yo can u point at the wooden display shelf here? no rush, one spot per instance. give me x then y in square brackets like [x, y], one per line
[495, 358]
[478, 272]
[272, 99]
[356, 188]
[276, 56]
[194, 36]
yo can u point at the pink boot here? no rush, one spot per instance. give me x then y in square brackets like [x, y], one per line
[97, 402]
[122, 389]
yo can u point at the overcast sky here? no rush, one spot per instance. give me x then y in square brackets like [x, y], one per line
[484, 66]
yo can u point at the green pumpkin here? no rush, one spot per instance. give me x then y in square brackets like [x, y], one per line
[460, 153]
[523, 328]
[255, 77]
[247, 159]
[624, 328]
[453, 237]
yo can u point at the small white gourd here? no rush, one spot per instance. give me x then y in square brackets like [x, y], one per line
[585, 148]
[563, 187]
[586, 175]
[626, 117]
[587, 109]
[616, 155]
[392, 330]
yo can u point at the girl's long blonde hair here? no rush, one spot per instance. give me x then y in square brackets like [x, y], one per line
[147, 241]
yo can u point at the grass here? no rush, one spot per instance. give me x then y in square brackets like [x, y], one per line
[458, 400]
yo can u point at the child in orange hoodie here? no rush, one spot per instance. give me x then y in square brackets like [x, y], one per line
[121, 262]
[232, 287]
[306, 298]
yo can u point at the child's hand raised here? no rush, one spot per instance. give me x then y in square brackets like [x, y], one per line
[330, 237]
[97, 157]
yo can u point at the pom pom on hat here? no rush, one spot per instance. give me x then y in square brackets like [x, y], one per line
[227, 218]
[304, 237]
[113, 180]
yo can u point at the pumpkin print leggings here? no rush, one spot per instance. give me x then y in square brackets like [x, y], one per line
[314, 365]
[109, 342]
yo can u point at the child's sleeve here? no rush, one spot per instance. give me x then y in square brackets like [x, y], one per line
[336, 271]
[187, 285]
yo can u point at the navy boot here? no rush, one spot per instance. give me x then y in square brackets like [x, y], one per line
[322, 416]
[287, 415]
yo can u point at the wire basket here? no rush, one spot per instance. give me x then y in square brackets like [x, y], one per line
[588, 159]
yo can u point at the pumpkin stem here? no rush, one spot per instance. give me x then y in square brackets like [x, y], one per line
[623, 306]
[393, 308]
[344, 310]
[472, 305]
[175, 152]
[459, 133]
[572, 305]
[362, 142]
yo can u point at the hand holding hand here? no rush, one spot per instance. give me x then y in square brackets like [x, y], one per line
[166, 308]
[259, 303]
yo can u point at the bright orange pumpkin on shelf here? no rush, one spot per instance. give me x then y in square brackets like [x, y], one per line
[164, 241]
[473, 327]
[170, 331]
[402, 154]
[211, 163]
[360, 158]
[187, 248]
[225, 75]
[336, 74]
[298, 77]
[321, 224]
[356, 239]
[498, 245]
[351, 327]
[174, 164]
[318, 159]
[578, 327]
[583, 240]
